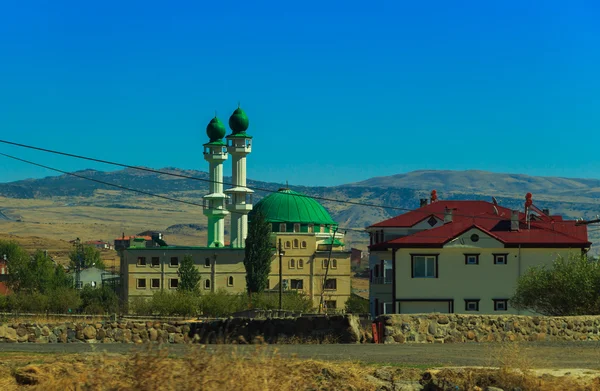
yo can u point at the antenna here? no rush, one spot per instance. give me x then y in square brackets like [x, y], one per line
[238, 104]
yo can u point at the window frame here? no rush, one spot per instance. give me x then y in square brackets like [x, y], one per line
[230, 281]
[297, 227]
[137, 283]
[334, 307]
[141, 261]
[303, 244]
[498, 255]
[324, 263]
[295, 243]
[152, 259]
[205, 262]
[171, 283]
[288, 244]
[171, 262]
[500, 301]
[284, 226]
[334, 284]
[476, 255]
[472, 301]
[300, 263]
[301, 284]
[311, 228]
[435, 269]
[292, 263]
[207, 283]
[333, 264]
[152, 280]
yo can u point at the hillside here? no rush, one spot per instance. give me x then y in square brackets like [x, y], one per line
[65, 207]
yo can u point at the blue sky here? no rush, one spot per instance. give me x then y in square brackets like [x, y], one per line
[336, 91]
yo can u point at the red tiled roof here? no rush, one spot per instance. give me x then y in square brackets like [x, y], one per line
[133, 237]
[545, 232]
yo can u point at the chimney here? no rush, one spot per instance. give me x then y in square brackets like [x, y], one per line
[546, 211]
[514, 220]
[447, 215]
[423, 202]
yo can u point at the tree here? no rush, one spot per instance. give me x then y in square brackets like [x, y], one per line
[357, 305]
[89, 256]
[258, 254]
[189, 275]
[569, 287]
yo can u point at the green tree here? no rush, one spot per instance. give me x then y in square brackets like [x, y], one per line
[258, 254]
[569, 287]
[357, 305]
[89, 256]
[189, 275]
[99, 300]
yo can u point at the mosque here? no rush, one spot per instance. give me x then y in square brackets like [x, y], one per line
[304, 228]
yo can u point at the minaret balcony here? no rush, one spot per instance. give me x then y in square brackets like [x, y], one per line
[239, 208]
[239, 190]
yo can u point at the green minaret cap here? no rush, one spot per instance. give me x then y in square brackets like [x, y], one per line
[238, 122]
[215, 129]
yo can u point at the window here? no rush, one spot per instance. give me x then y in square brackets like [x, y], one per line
[155, 283]
[207, 284]
[288, 244]
[334, 263]
[292, 264]
[300, 264]
[311, 228]
[321, 228]
[295, 243]
[206, 262]
[230, 281]
[141, 261]
[297, 284]
[331, 283]
[330, 304]
[471, 304]
[325, 263]
[141, 283]
[471, 259]
[155, 261]
[282, 227]
[296, 227]
[474, 238]
[500, 304]
[173, 283]
[174, 261]
[500, 259]
[424, 266]
[303, 244]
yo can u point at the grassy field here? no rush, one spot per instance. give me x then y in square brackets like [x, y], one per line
[152, 368]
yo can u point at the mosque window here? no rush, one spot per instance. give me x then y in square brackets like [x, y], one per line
[322, 228]
[295, 243]
[300, 264]
[230, 281]
[207, 284]
[282, 227]
[311, 228]
[334, 263]
[296, 227]
[288, 244]
[303, 244]
[292, 264]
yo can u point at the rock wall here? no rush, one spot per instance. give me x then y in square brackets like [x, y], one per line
[440, 328]
[333, 329]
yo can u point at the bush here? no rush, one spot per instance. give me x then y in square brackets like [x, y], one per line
[220, 303]
[357, 305]
[63, 300]
[167, 304]
[291, 301]
[99, 300]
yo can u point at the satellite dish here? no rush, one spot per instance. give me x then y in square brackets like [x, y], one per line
[495, 201]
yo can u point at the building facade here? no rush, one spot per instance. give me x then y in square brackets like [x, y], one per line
[463, 256]
[314, 261]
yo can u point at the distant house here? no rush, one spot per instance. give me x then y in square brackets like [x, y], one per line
[94, 277]
[356, 257]
[99, 244]
[124, 242]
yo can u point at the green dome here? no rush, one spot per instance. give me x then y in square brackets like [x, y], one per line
[238, 122]
[288, 206]
[215, 129]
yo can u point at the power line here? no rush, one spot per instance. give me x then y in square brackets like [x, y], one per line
[427, 213]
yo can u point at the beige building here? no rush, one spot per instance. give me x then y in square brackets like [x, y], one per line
[463, 256]
[305, 229]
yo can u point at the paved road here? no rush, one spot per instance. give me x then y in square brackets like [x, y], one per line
[543, 355]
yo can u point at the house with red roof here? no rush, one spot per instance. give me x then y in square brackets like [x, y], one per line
[463, 256]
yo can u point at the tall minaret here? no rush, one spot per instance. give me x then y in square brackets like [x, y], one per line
[239, 145]
[215, 153]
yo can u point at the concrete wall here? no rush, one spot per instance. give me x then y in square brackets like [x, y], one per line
[452, 328]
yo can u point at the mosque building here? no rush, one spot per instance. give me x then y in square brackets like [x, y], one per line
[304, 236]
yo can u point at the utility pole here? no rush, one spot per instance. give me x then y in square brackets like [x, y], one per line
[327, 270]
[280, 276]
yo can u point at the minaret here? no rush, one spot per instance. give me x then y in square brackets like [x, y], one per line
[215, 153]
[239, 146]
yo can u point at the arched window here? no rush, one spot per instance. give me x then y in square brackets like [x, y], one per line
[292, 264]
[288, 244]
[207, 284]
[304, 244]
[321, 228]
[282, 227]
[311, 228]
[334, 263]
[296, 227]
[300, 264]
[295, 243]
[230, 281]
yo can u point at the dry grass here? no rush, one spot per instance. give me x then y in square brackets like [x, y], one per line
[153, 369]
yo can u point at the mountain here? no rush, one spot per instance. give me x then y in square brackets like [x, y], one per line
[573, 198]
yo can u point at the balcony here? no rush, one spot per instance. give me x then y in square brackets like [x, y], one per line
[382, 280]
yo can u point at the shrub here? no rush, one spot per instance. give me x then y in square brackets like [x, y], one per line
[221, 303]
[99, 300]
[357, 305]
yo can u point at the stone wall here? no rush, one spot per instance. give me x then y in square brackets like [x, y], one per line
[332, 329]
[440, 328]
